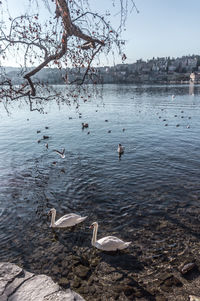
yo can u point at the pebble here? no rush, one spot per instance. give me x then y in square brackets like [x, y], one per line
[188, 267]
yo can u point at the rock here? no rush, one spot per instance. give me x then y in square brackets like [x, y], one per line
[10, 289]
[160, 298]
[35, 288]
[76, 282]
[64, 282]
[188, 267]
[68, 295]
[8, 272]
[169, 282]
[17, 284]
[82, 271]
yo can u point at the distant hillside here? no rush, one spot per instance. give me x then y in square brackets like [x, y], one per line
[156, 70]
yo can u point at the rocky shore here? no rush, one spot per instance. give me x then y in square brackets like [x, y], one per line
[17, 284]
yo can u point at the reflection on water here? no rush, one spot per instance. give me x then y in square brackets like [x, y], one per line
[150, 196]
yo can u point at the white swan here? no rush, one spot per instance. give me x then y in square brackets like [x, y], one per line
[67, 220]
[107, 243]
[120, 149]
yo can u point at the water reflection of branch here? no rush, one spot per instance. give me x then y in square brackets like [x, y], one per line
[47, 93]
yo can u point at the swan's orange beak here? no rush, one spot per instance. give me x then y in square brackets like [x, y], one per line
[49, 213]
[91, 227]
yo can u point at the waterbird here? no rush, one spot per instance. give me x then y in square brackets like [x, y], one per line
[120, 149]
[47, 146]
[85, 125]
[62, 153]
[65, 221]
[107, 243]
[173, 96]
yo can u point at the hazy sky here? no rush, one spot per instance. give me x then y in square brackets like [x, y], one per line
[162, 27]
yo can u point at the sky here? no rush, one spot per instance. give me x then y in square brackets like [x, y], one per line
[161, 28]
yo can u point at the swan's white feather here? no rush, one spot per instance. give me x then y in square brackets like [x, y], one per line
[111, 243]
[69, 220]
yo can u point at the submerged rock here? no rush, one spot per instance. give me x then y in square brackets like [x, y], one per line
[187, 267]
[17, 284]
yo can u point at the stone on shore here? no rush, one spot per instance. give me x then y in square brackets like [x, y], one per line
[17, 284]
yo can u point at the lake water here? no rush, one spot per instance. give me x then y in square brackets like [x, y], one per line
[149, 195]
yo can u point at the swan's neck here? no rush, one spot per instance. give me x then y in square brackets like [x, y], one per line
[94, 236]
[53, 218]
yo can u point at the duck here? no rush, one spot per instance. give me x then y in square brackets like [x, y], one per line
[84, 125]
[65, 221]
[120, 149]
[107, 243]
